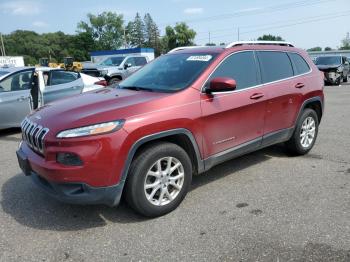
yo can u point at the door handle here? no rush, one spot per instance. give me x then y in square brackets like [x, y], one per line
[256, 96]
[22, 98]
[299, 85]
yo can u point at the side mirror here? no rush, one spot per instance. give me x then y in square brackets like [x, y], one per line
[127, 65]
[221, 84]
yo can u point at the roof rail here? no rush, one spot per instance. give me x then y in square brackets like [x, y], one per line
[281, 43]
[184, 48]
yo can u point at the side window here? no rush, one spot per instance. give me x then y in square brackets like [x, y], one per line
[17, 82]
[62, 77]
[240, 67]
[140, 61]
[274, 66]
[300, 65]
[131, 61]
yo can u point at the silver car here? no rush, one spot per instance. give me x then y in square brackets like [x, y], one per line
[24, 89]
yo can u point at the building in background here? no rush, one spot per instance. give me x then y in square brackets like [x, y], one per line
[315, 54]
[98, 56]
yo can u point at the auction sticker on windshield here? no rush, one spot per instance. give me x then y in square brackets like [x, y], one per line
[203, 58]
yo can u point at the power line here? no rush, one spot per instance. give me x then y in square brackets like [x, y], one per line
[255, 11]
[276, 22]
[309, 20]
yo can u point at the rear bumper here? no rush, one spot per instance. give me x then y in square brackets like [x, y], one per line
[79, 193]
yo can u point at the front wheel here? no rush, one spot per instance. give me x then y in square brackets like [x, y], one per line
[345, 79]
[305, 133]
[159, 179]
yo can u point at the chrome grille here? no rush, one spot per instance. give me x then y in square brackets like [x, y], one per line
[33, 134]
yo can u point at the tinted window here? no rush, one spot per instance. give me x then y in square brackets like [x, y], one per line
[328, 60]
[140, 61]
[301, 67]
[62, 77]
[240, 67]
[16, 82]
[112, 61]
[130, 61]
[169, 73]
[274, 66]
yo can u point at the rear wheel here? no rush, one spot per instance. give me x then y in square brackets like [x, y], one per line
[305, 133]
[159, 179]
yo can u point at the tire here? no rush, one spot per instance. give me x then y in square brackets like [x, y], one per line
[345, 79]
[144, 172]
[113, 81]
[296, 144]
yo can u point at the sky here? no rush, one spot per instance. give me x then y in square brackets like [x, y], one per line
[304, 23]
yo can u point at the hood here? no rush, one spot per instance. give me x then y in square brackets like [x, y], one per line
[95, 107]
[327, 67]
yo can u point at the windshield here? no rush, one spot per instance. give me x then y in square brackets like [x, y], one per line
[112, 61]
[169, 73]
[328, 60]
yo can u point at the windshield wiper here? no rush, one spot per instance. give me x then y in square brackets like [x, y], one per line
[137, 88]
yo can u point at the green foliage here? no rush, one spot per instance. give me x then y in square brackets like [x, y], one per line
[152, 34]
[345, 43]
[327, 48]
[317, 48]
[270, 38]
[106, 29]
[210, 44]
[180, 35]
[136, 32]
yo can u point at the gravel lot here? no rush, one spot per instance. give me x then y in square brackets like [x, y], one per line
[266, 206]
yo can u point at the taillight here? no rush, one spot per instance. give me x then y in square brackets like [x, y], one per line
[102, 83]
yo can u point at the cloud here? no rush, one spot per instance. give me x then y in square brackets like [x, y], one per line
[193, 10]
[246, 10]
[39, 24]
[21, 8]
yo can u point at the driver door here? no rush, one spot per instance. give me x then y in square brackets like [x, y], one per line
[15, 98]
[131, 66]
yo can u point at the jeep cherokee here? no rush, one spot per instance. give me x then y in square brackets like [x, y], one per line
[180, 115]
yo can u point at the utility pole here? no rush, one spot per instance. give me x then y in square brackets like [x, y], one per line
[238, 34]
[3, 53]
[125, 42]
[209, 38]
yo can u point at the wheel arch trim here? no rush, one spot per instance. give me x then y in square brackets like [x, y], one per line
[156, 136]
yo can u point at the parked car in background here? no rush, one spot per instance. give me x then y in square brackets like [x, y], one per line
[335, 68]
[180, 115]
[23, 89]
[115, 68]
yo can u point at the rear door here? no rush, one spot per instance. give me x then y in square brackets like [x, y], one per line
[131, 61]
[15, 98]
[284, 91]
[62, 84]
[234, 118]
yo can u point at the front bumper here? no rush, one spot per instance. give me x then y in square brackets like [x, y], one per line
[332, 77]
[79, 193]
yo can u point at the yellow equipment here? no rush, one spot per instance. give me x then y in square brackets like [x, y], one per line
[44, 61]
[70, 65]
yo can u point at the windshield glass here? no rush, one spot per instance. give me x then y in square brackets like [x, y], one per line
[112, 61]
[328, 60]
[3, 73]
[169, 73]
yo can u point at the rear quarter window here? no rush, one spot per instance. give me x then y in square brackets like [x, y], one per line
[300, 65]
[274, 66]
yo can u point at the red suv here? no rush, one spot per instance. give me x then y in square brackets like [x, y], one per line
[180, 115]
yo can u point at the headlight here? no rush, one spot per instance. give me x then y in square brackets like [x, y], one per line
[97, 129]
[103, 72]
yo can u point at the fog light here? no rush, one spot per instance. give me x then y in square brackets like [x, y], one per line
[69, 159]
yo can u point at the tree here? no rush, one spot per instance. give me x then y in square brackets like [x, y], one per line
[313, 49]
[327, 48]
[346, 43]
[210, 44]
[270, 38]
[180, 35]
[106, 29]
[152, 34]
[136, 32]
